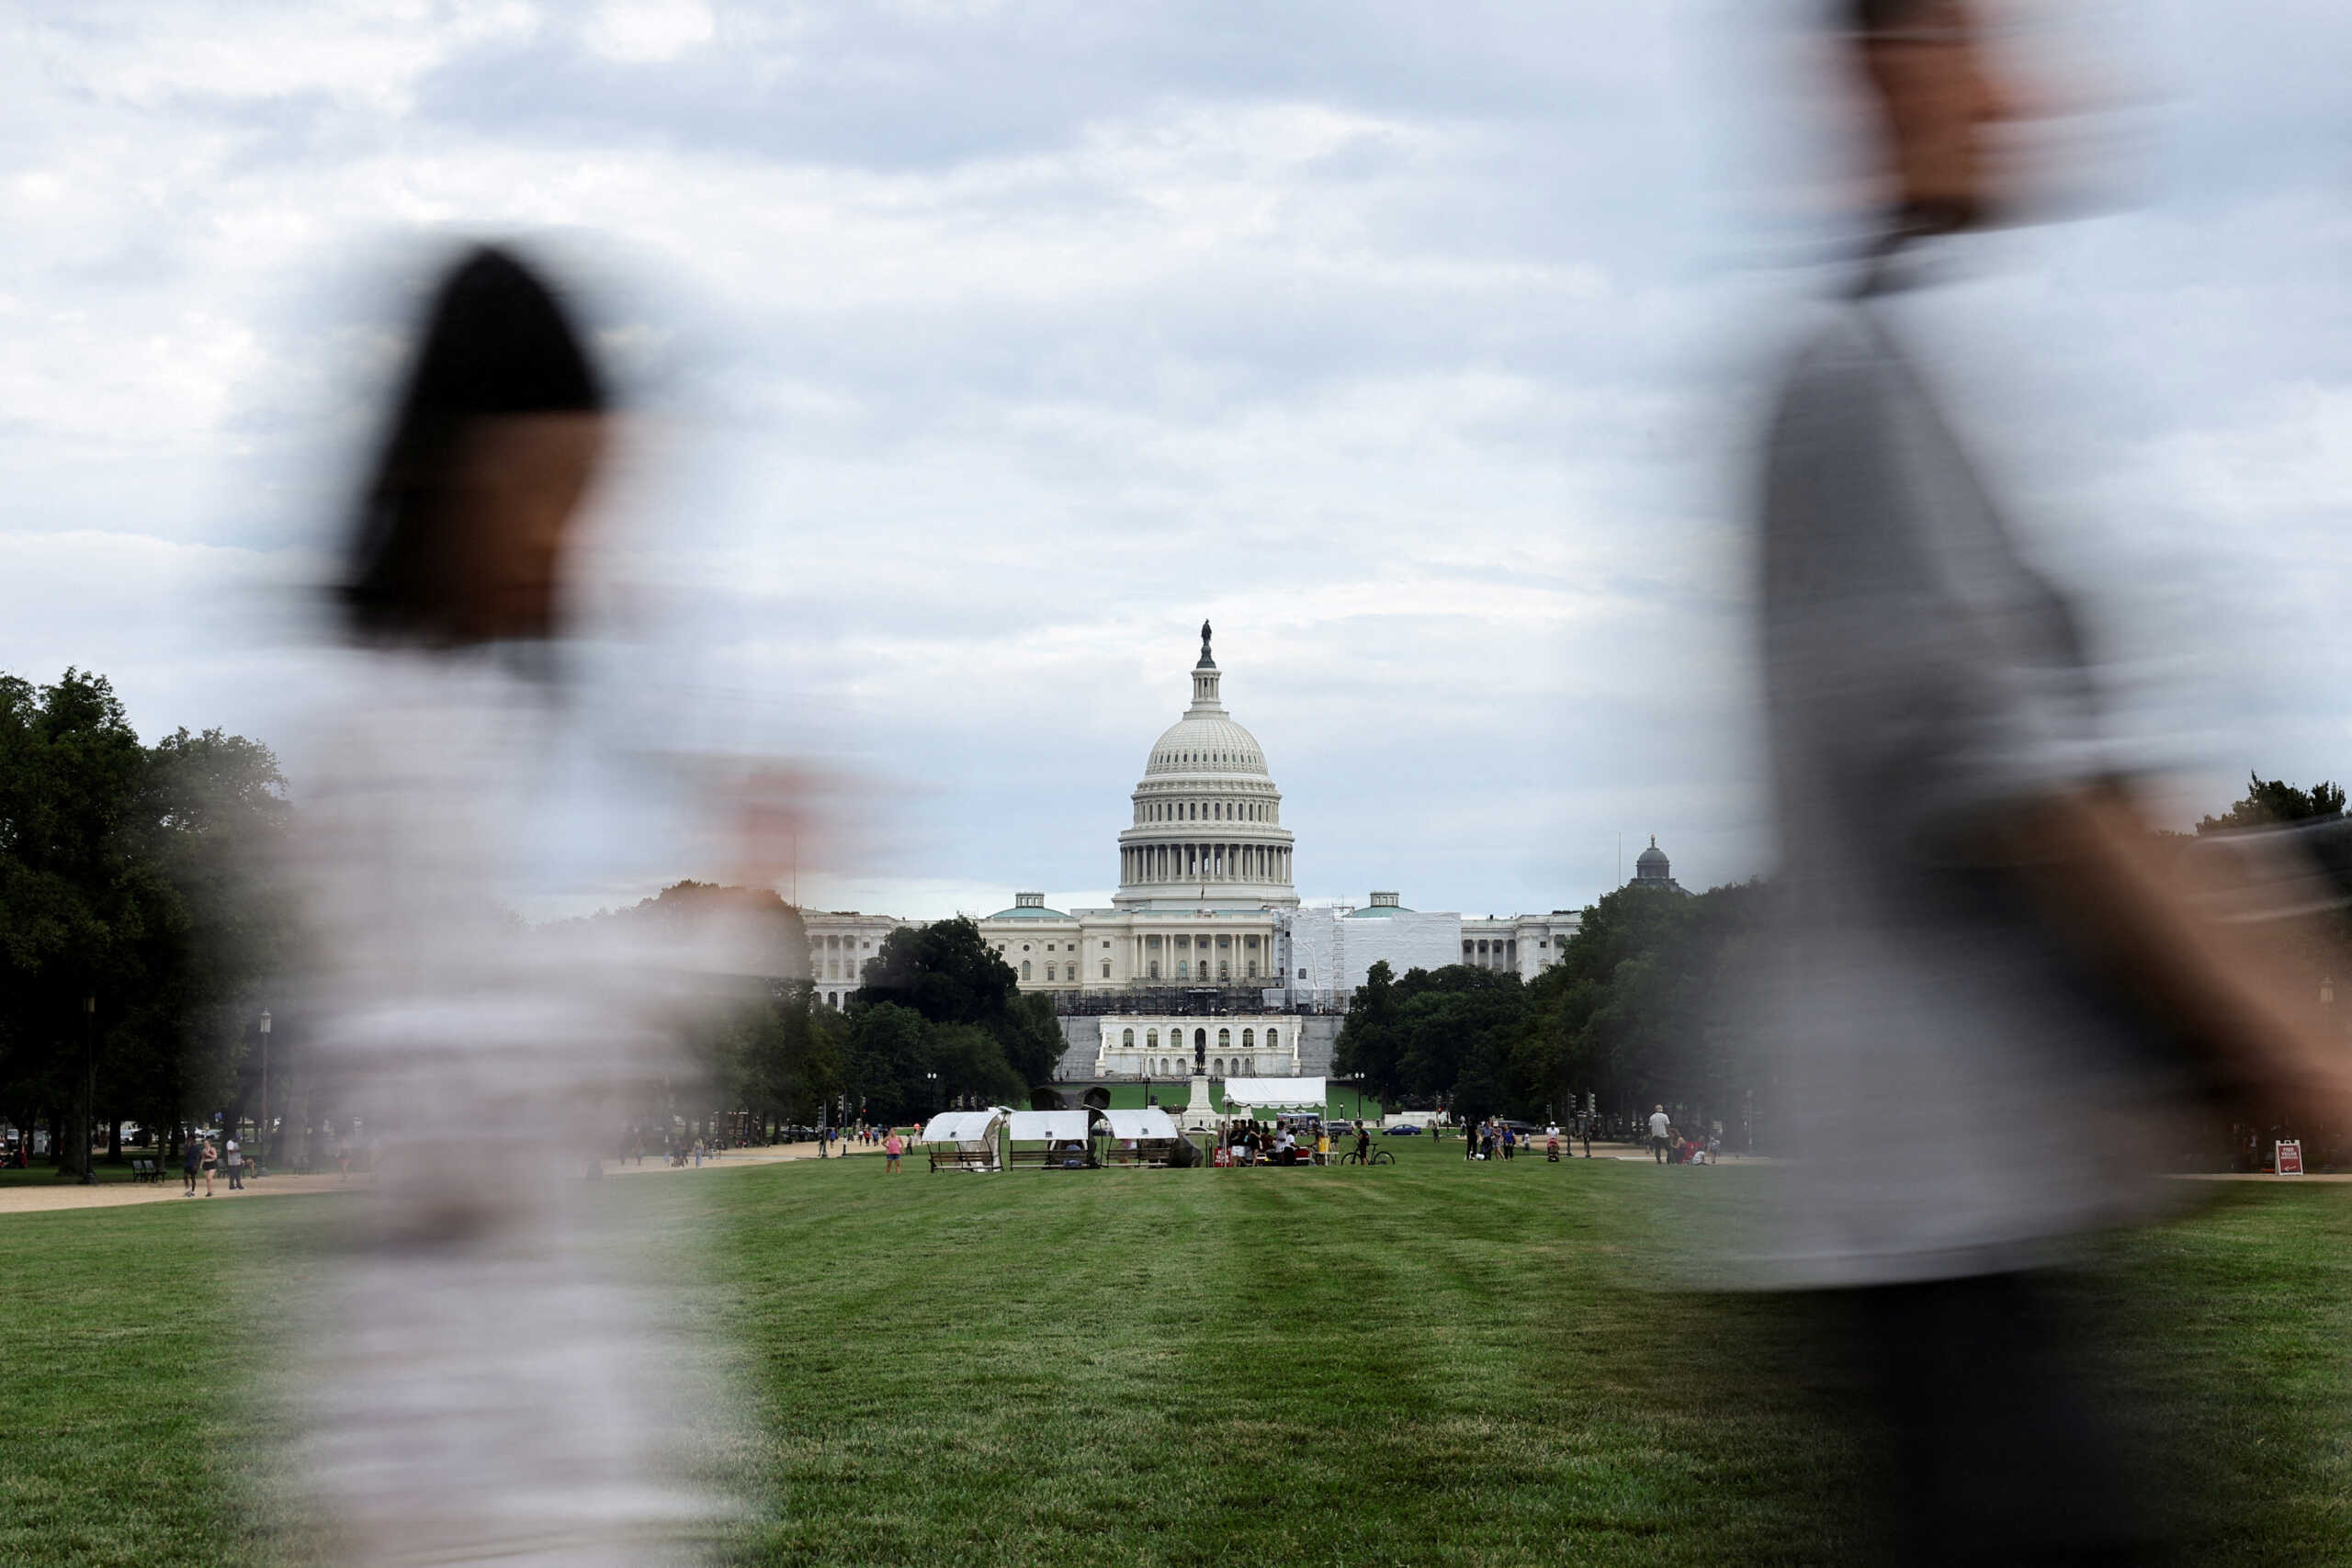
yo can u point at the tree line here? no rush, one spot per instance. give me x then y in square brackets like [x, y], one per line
[145, 928]
[1646, 1004]
[1630, 1015]
[939, 1020]
[136, 924]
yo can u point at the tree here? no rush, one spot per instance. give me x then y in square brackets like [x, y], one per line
[2269, 802]
[1444, 1032]
[131, 922]
[761, 1050]
[1366, 1047]
[947, 973]
[213, 820]
[890, 1054]
[1642, 1004]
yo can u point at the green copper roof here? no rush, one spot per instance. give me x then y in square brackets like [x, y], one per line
[1028, 912]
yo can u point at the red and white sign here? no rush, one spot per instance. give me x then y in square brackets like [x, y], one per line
[2290, 1157]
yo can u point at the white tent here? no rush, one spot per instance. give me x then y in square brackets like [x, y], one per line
[962, 1127]
[965, 1140]
[1054, 1126]
[1141, 1125]
[1276, 1094]
[1143, 1137]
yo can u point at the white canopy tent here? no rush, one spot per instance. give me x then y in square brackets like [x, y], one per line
[1152, 1125]
[967, 1140]
[1276, 1094]
[1061, 1134]
[1142, 1137]
[962, 1126]
[1049, 1126]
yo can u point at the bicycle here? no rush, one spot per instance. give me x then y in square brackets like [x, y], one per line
[1377, 1156]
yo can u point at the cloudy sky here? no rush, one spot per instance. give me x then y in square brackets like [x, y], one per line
[985, 348]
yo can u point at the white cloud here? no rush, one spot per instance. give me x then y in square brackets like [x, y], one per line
[992, 345]
[649, 32]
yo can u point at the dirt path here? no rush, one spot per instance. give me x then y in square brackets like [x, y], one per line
[171, 1189]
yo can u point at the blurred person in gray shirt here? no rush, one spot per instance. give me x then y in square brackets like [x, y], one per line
[1994, 1004]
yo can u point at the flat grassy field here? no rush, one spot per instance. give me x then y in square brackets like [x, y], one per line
[1430, 1363]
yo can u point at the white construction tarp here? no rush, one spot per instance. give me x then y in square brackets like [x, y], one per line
[1153, 1123]
[1277, 1094]
[1060, 1126]
[962, 1127]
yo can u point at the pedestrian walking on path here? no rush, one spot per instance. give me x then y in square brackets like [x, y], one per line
[1661, 1133]
[191, 1161]
[234, 1159]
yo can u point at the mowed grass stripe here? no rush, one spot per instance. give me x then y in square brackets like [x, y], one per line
[125, 1436]
[1333, 1365]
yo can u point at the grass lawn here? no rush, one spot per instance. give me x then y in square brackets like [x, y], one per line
[1429, 1363]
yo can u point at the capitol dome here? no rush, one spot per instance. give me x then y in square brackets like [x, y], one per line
[1206, 828]
[1202, 745]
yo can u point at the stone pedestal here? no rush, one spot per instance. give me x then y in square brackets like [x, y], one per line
[1198, 1115]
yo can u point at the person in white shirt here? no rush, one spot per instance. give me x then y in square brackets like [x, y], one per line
[1661, 1133]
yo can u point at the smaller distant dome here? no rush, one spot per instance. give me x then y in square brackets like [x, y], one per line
[1029, 906]
[1382, 906]
[1652, 869]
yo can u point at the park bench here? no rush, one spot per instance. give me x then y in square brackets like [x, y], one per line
[144, 1170]
[947, 1157]
[1051, 1159]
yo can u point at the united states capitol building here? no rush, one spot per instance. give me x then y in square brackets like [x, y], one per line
[1206, 942]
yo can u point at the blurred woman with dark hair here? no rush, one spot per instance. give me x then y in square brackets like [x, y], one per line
[500, 433]
[492, 1383]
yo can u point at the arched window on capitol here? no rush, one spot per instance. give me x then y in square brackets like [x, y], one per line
[1224, 1038]
[1126, 1037]
[1248, 1038]
[1024, 969]
[1216, 1068]
[1151, 1036]
[1272, 1039]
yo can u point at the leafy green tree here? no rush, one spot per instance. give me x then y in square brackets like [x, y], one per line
[1436, 1033]
[762, 1051]
[1367, 1045]
[212, 821]
[1643, 1004]
[890, 1054]
[130, 879]
[776, 1058]
[971, 1063]
[948, 973]
[2268, 802]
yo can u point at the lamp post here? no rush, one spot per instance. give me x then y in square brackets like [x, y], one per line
[932, 1079]
[89, 1085]
[261, 1139]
